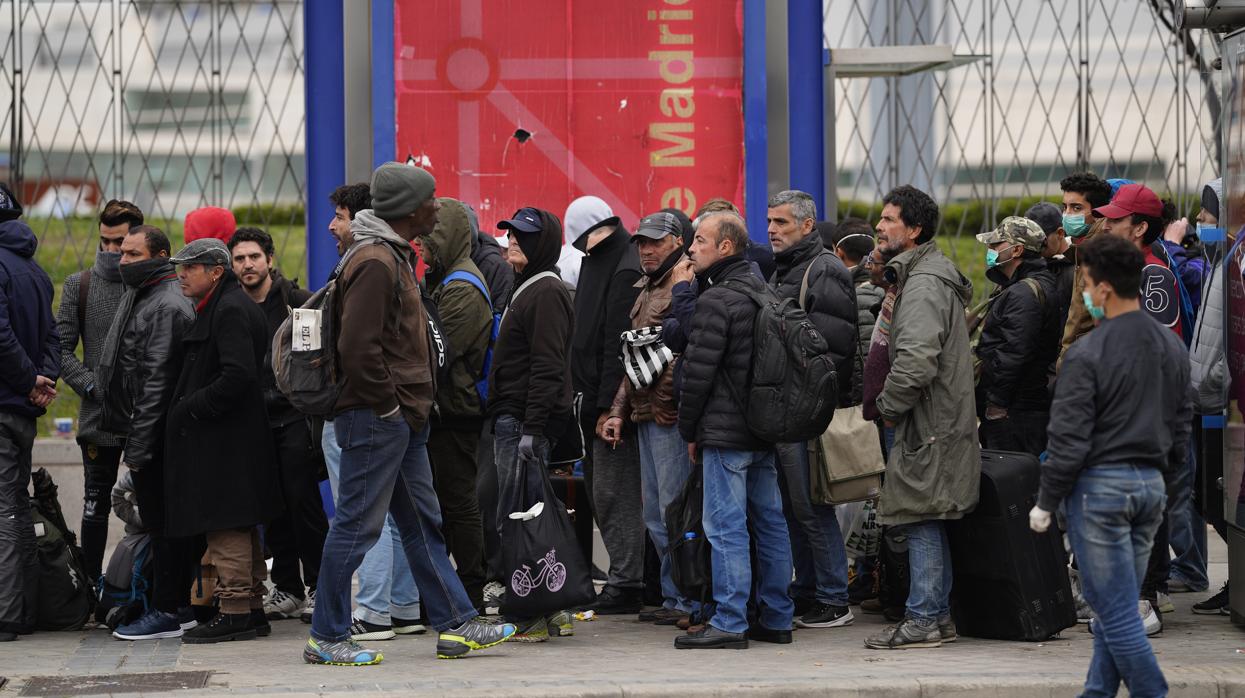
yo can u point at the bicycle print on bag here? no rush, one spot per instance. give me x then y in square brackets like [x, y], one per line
[552, 574]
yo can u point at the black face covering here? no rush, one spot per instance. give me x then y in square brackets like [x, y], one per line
[666, 265]
[135, 274]
[107, 265]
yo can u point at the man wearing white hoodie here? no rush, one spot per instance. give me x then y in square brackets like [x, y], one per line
[581, 216]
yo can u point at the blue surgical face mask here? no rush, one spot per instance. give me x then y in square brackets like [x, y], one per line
[992, 259]
[1095, 312]
[1075, 226]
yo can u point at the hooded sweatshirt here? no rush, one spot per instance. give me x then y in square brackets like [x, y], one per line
[531, 373]
[29, 343]
[491, 261]
[466, 315]
[584, 214]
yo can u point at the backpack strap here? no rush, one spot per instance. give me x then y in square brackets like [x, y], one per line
[472, 279]
[1037, 290]
[84, 286]
[523, 287]
[804, 282]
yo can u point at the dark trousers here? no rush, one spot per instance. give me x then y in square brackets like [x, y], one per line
[18, 563]
[486, 499]
[1022, 431]
[453, 456]
[173, 560]
[297, 536]
[99, 470]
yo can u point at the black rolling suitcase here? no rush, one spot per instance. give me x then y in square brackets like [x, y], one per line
[574, 494]
[1009, 583]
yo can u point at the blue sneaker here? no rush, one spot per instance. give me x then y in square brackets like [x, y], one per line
[154, 625]
[346, 653]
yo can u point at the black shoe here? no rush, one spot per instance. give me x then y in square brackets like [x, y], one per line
[710, 638]
[826, 616]
[616, 602]
[662, 616]
[761, 633]
[1215, 605]
[8, 637]
[598, 575]
[223, 628]
[259, 622]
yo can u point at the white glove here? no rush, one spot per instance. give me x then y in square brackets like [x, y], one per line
[1039, 519]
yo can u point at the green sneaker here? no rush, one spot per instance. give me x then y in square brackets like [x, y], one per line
[561, 624]
[475, 634]
[536, 631]
[346, 653]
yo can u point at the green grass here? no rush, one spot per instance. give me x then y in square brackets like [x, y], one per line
[68, 245]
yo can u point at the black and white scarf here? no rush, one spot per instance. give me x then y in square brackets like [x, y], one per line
[644, 356]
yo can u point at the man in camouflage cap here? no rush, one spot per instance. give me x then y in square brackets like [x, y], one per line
[1019, 339]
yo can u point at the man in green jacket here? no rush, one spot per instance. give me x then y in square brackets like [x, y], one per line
[934, 468]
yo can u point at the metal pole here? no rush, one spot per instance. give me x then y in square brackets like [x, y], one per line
[756, 138]
[118, 108]
[15, 124]
[830, 158]
[359, 92]
[1082, 94]
[216, 110]
[384, 96]
[326, 123]
[805, 99]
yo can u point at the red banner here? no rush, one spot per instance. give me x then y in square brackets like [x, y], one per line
[513, 103]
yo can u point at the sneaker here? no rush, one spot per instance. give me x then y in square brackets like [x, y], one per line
[309, 608]
[615, 602]
[710, 638]
[1215, 605]
[225, 627]
[401, 626]
[1084, 613]
[909, 634]
[1151, 621]
[662, 616]
[1180, 586]
[154, 625]
[281, 605]
[824, 615]
[475, 634]
[259, 621]
[561, 624]
[186, 618]
[946, 629]
[347, 653]
[494, 593]
[1163, 602]
[363, 631]
[536, 631]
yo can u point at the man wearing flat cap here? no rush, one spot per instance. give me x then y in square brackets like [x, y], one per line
[220, 477]
[1019, 339]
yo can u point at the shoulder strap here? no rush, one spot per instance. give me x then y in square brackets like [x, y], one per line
[523, 287]
[472, 279]
[84, 285]
[804, 282]
[1037, 290]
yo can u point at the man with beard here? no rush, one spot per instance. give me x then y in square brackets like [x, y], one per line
[88, 303]
[298, 535]
[138, 369]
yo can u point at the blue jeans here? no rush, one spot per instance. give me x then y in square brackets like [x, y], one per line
[929, 562]
[664, 470]
[816, 540]
[386, 587]
[1113, 512]
[741, 488]
[507, 431]
[1186, 530]
[384, 468]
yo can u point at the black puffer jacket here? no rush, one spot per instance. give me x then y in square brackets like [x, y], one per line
[1019, 340]
[830, 301]
[718, 358]
[1063, 268]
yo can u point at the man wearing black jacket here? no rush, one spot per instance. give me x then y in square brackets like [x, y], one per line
[297, 536]
[1019, 340]
[603, 299]
[819, 281]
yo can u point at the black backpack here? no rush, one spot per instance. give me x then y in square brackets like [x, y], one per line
[65, 596]
[792, 392]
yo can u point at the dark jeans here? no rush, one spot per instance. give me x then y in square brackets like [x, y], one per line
[817, 550]
[173, 560]
[17, 536]
[99, 474]
[453, 456]
[1021, 430]
[385, 469]
[297, 536]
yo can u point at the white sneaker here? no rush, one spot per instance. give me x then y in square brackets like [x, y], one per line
[280, 605]
[1165, 604]
[309, 608]
[493, 594]
[1151, 620]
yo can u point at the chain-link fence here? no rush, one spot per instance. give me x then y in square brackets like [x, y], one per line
[173, 105]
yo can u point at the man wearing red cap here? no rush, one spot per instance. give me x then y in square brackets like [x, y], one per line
[210, 222]
[1136, 214]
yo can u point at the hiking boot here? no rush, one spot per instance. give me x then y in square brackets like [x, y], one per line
[561, 624]
[710, 638]
[223, 628]
[363, 631]
[186, 618]
[535, 631]
[281, 605]
[662, 616]
[309, 609]
[946, 629]
[401, 626]
[1215, 605]
[909, 634]
[259, 621]
[153, 625]
[824, 615]
[475, 634]
[346, 653]
[761, 633]
[615, 602]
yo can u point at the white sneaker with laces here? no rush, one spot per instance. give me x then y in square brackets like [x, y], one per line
[280, 605]
[309, 608]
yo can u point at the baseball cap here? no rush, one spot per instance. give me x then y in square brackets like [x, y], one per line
[525, 220]
[10, 208]
[1048, 216]
[210, 222]
[658, 225]
[208, 251]
[1017, 231]
[1132, 199]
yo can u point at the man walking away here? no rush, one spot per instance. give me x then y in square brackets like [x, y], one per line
[385, 398]
[296, 537]
[740, 479]
[29, 367]
[89, 301]
[1116, 440]
[933, 473]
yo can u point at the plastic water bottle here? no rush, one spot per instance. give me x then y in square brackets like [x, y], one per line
[690, 535]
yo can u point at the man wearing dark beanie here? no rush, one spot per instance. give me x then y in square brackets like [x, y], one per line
[381, 423]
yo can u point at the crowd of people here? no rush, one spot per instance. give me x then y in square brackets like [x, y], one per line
[435, 438]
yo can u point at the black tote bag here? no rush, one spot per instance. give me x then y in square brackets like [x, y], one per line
[691, 565]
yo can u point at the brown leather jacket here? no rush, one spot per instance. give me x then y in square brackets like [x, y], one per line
[657, 402]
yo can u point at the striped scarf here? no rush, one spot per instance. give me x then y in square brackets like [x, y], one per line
[882, 328]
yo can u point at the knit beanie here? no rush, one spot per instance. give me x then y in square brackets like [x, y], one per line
[398, 189]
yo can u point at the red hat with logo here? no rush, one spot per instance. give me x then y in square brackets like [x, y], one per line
[210, 222]
[1132, 199]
